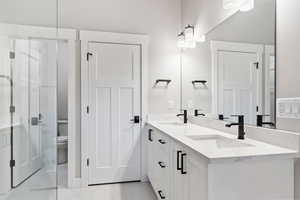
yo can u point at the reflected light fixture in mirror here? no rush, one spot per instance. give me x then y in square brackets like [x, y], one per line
[201, 38]
[189, 33]
[247, 6]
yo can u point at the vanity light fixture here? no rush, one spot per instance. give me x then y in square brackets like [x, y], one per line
[189, 33]
[181, 40]
[183, 43]
[247, 6]
[242, 5]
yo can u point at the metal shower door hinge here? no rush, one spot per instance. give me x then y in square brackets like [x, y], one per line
[12, 55]
[12, 163]
[12, 109]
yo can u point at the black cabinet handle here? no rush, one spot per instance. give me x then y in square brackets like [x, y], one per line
[178, 160]
[161, 195]
[161, 164]
[182, 160]
[150, 135]
[162, 141]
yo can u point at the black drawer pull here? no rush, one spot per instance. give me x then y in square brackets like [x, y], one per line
[162, 141]
[161, 164]
[182, 160]
[178, 160]
[150, 135]
[161, 195]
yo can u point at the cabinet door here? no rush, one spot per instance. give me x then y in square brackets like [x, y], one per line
[195, 177]
[177, 176]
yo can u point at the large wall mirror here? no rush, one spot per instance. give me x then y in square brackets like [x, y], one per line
[233, 71]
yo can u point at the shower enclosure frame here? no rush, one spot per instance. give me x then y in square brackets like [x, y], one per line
[14, 31]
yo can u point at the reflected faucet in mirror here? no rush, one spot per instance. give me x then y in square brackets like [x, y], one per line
[184, 114]
[221, 117]
[260, 121]
[196, 113]
[240, 124]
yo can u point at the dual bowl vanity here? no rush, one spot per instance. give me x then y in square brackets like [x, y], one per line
[192, 162]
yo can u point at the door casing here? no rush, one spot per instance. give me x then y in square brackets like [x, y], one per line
[109, 37]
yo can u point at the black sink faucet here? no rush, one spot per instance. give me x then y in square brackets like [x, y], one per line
[185, 117]
[196, 113]
[241, 124]
[260, 122]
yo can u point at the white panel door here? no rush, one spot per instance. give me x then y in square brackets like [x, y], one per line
[238, 84]
[114, 100]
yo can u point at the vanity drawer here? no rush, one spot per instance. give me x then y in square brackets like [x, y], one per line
[162, 142]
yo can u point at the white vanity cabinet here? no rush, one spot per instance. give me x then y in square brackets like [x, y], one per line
[175, 173]
[178, 172]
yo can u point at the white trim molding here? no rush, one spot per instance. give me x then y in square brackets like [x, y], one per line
[25, 31]
[109, 37]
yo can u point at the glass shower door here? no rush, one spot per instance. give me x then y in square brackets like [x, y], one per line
[6, 120]
[28, 118]
[28, 128]
[34, 132]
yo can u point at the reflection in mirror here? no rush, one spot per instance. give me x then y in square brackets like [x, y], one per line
[233, 71]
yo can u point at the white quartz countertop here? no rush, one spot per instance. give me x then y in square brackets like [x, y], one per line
[247, 149]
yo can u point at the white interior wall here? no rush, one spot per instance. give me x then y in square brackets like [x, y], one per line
[158, 19]
[197, 62]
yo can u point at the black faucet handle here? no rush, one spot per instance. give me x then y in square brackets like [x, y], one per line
[237, 115]
[221, 117]
[264, 115]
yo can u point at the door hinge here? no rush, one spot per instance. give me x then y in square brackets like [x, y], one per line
[257, 65]
[257, 108]
[12, 163]
[88, 162]
[87, 109]
[12, 55]
[88, 56]
[12, 109]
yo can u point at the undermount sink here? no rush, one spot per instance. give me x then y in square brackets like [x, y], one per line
[219, 141]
